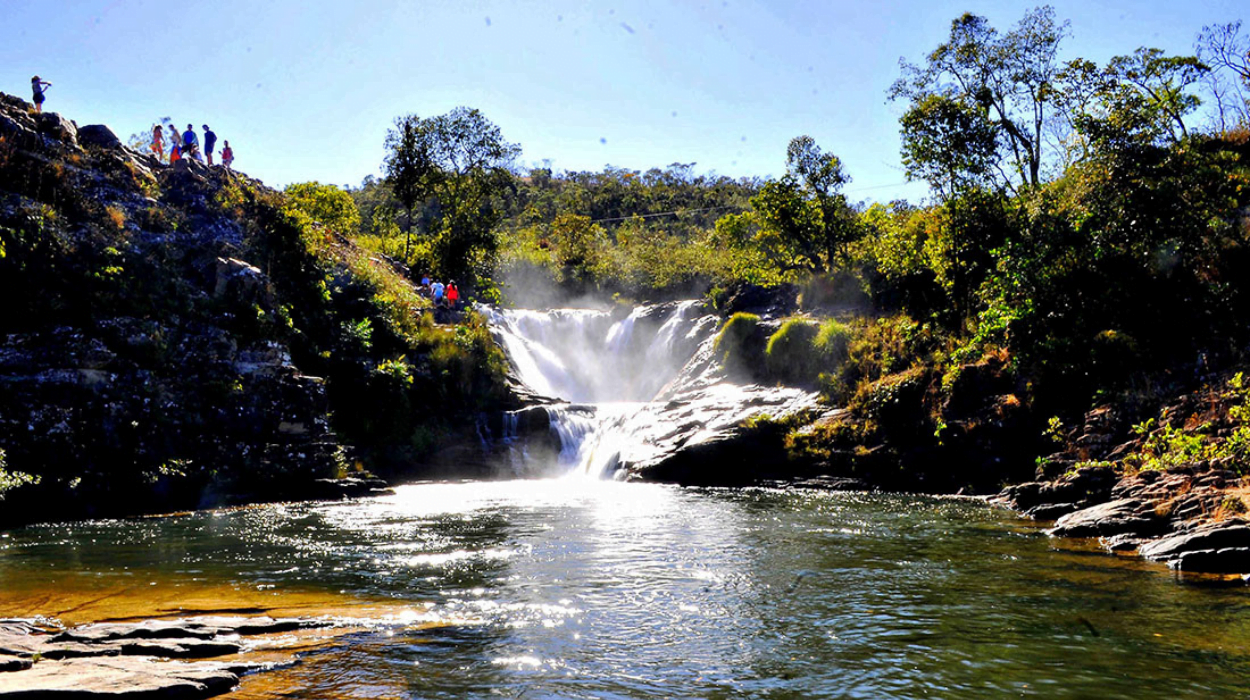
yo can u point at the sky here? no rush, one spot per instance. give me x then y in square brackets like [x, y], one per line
[307, 90]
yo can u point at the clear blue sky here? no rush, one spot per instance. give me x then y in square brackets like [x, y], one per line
[306, 90]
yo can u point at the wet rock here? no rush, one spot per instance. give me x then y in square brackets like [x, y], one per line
[148, 629]
[1069, 493]
[1229, 560]
[180, 648]
[1125, 516]
[1210, 538]
[117, 678]
[257, 625]
[13, 663]
[98, 135]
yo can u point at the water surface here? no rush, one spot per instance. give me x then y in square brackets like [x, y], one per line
[580, 589]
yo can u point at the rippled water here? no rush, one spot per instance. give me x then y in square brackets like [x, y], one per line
[579, 589]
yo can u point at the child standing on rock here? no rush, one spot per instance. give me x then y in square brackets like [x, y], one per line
[158, 142]
[227, 156]
[37, 86]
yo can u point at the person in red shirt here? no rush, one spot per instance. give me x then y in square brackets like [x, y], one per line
[453, 294]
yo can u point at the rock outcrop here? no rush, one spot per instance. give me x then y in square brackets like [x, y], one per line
[131, 660]
[142, 372]
[1190, 516]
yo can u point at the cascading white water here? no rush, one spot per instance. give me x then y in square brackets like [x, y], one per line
[612, 368]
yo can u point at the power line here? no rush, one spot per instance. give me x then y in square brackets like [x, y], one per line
[663, 213]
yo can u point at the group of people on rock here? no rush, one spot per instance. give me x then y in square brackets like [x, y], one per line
[181, 145]
[187, 145]
[445, 296]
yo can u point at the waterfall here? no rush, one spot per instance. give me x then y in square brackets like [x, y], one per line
[607, 366]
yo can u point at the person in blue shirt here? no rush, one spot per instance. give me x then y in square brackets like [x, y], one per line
[191, 144]
[437, 293]
[210, 140]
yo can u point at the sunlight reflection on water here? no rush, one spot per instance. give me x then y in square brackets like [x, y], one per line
[580, 588]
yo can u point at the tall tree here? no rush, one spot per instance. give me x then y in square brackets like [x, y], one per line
[1000, 82]
[801, 222]
[1227, 51]
[408, 168]
[461, 161]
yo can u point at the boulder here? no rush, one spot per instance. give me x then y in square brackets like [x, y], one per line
[58, 127]
[1124, 516]
[1212, 537]
[1229, 560]
[98, 135]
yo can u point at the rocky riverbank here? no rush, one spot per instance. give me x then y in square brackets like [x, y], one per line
[150, 659]
[1171, 488]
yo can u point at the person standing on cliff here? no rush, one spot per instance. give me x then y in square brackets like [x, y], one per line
[175, 150]
[191, 143]
[227, 156]
[210, 140]
[37, 86]
[158, 142]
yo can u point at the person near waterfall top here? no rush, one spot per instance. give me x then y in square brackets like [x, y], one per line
[191, 143]
[158, 142]
[37, 86]
[210, 140]
[175, 149]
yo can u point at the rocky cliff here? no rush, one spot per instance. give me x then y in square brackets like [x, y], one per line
[174, 337]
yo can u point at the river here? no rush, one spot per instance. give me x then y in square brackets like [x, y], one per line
[577, 588]
[581, 586]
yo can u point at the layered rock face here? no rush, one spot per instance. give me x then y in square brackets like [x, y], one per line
[134, 374]
[1190, 516]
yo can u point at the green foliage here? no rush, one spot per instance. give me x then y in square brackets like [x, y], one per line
[10, 480]
[832, 344]
[326, 204]
[1167, 447]
[790, 354]
[460, 161]
[736, 343]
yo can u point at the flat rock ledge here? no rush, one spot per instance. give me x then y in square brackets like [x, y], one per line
[1167, 516]
[129, 660]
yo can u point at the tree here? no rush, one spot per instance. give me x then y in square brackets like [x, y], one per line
[326, 204]
[460, 160]
[1227, 51]
[998, 83]
[408, 168]
[948, 144]
[801, 222]
[1135, 101]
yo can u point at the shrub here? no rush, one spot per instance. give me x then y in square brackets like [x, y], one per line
[737, 344]
[832, 344]
[790, 354]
